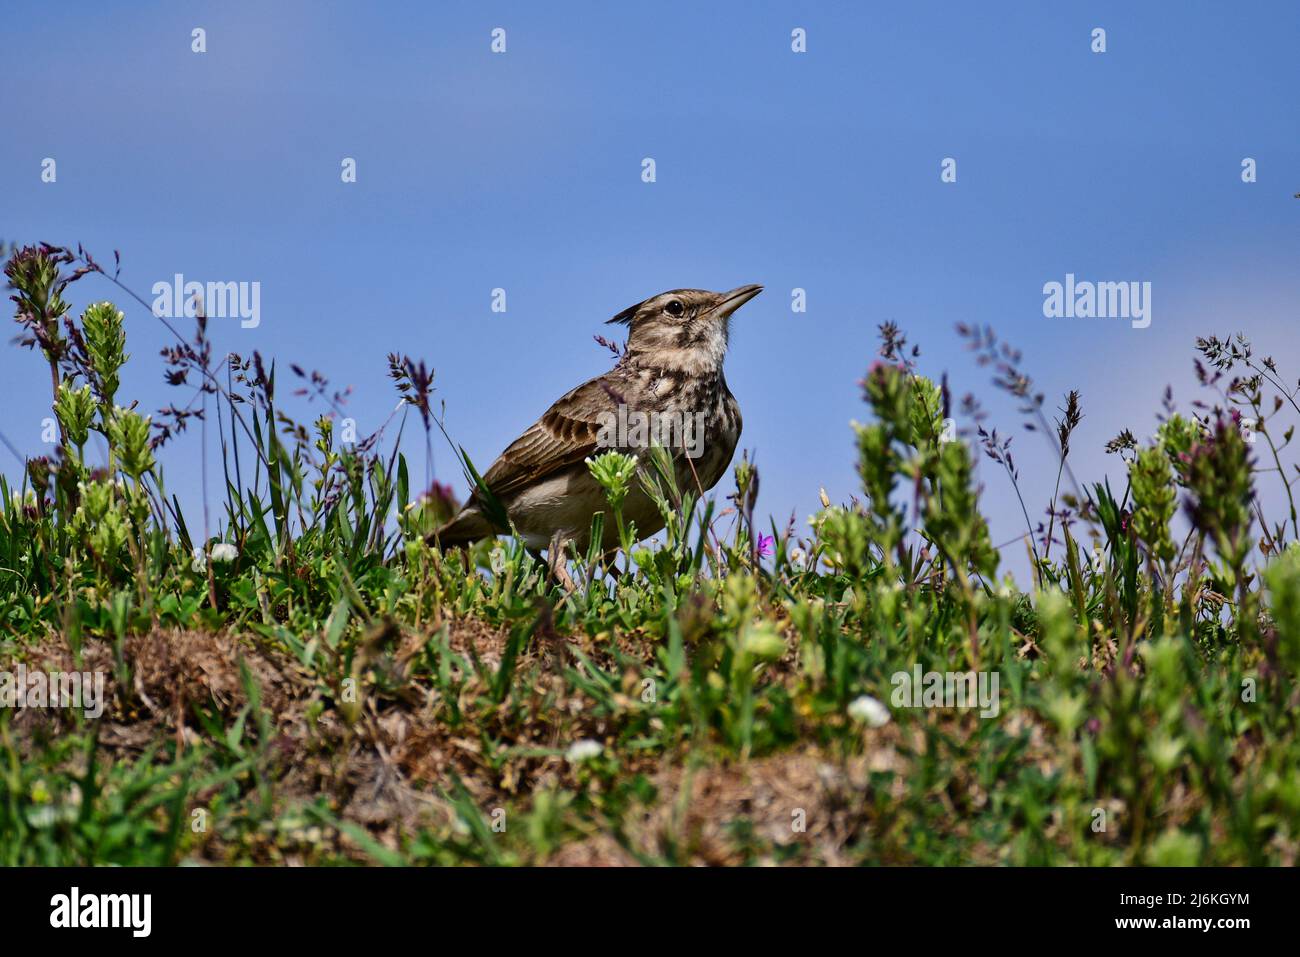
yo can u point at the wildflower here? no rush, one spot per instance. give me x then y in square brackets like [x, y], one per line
[34, 272]
[765, 545]
[75, 409]
[867, 710]
[764, 643]
[128, 438]
[1151, 478]
[199, 562]
[441, 501]
[614, 471]
[1165, 750]
[105, 343]
[953, 520]
[224, 552]
[108, 536]
[583, 750]
[746, 484]
[1219, 477]
[98, 499]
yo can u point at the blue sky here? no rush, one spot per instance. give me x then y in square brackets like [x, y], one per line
[522, 171]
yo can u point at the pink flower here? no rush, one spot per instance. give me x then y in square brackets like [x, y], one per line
[765, 545]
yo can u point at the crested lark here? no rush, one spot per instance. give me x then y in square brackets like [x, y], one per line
[670, 376]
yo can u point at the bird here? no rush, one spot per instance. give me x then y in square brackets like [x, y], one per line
[669, 373]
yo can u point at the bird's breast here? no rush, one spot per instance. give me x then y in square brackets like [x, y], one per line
[719, 418]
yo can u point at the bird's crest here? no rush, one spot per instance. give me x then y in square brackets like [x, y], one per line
[625, 317]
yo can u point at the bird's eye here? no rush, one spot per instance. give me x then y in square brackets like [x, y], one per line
[675, 307]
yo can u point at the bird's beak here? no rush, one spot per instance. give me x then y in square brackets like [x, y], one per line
[731, 301]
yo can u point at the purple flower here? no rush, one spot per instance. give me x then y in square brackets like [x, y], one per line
[765, 544]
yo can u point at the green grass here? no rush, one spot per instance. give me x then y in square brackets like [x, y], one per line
[334, 690]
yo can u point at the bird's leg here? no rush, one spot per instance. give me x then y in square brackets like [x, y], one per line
[605, 566]
[559, 566]
[608, 559]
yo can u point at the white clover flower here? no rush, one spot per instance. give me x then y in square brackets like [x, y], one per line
[224, 552]
[199, 563]
[498, 560]
[583, 750]
[867, 710]
[43, 816]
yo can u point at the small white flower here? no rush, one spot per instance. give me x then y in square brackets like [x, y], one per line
[498, 560]
[583, 750]
[200, 561]
[224, 552]
[869, 711]
[43, 816]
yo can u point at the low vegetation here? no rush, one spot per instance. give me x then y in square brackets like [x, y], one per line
[314, 683]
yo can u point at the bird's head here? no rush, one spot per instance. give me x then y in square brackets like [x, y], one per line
[683, 329]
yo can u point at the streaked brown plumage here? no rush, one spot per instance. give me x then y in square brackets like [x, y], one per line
[672, 366]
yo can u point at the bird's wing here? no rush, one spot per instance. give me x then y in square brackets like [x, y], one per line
[565, 435]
